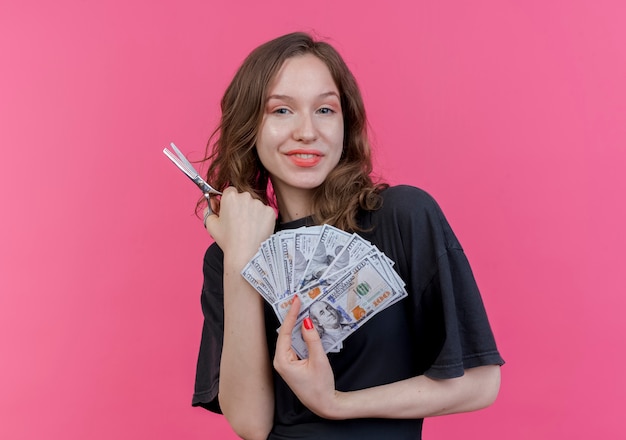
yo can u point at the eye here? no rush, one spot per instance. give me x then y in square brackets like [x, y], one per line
[326, 110]
[281, 111]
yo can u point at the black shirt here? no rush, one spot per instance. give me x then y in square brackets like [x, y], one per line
[439, 330]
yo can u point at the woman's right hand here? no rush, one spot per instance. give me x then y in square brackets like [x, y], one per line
[246, 393]
[242, 225]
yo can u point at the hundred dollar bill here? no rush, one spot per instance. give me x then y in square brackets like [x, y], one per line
[258, 281]
[316, 290]
[312, 292]
[260, 266]
[282, 285]
[380, 261]
[387, 265]
[355, 249]
[307, 296]
[329, 245]
[338, 276]
[305, 240]
[346, 305]
[286, 246]
[271, 251]
[265, 251]
[360, 250]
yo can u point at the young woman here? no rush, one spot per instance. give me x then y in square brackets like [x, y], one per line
[292, 140]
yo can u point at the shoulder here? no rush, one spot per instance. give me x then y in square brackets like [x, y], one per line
[409, 199]
[411, 210]
[400, 191]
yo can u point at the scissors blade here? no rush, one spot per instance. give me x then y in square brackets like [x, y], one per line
[183, 164]
[183, 159]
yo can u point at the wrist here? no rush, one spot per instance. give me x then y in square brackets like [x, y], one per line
[235, 261]
[338, 409]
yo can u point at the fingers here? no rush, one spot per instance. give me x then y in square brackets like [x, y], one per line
[212, 209]
[312, 339]
[241, 222]
[243, 211]
[209, 218]
[286, 329]
[309, 333]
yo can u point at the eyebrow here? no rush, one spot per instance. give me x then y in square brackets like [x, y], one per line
[289, 98]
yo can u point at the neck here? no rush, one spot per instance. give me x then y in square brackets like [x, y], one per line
[294, 205]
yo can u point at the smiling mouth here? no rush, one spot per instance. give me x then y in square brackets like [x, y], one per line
[305, 159]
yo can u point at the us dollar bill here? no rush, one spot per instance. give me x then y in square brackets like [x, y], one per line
[335, 274]
[258, 280]
[346, 305]
[330, 244]
[305, 240]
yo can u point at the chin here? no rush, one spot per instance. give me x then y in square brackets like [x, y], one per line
[309, 184]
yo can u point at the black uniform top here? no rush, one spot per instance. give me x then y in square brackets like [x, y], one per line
[439, 330]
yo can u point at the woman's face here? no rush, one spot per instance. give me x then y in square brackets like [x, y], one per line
[301, 136]
[325, 315]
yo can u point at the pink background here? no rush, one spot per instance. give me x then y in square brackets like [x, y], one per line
[512, 114]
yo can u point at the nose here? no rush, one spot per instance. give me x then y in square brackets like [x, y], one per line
[305, 130]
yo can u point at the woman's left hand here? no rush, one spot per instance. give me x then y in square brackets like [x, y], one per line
[313, 382]
[311, 379]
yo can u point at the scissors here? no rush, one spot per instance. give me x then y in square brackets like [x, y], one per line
[185, 166]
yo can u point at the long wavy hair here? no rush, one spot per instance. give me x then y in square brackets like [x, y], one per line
[231, 149]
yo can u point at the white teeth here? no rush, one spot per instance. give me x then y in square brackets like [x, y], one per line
[305, 156]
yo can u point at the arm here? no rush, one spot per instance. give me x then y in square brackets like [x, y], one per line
[420, 396]
[246, 393]
[313, 382]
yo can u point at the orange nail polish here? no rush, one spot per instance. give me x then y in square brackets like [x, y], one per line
[308, 324]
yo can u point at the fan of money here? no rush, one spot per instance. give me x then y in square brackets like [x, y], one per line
[341, 279]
